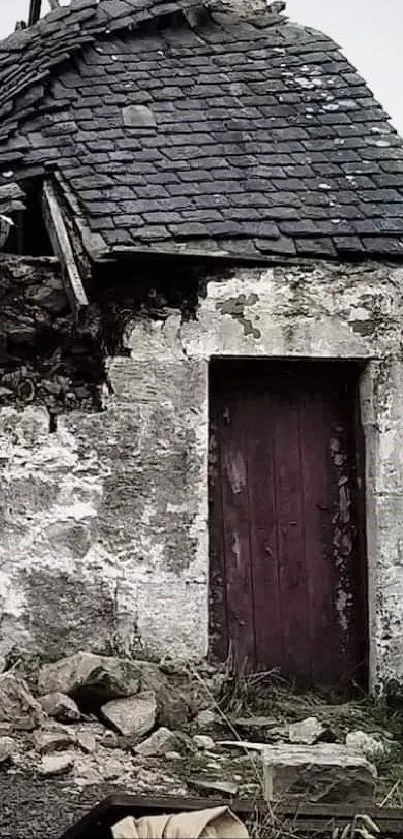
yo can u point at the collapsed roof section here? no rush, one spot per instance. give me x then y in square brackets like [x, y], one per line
[11, 201]
[177, 127]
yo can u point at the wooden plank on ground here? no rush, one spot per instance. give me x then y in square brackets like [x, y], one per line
[305, 818]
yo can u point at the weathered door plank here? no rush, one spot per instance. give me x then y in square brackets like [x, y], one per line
[235, 527]
[263, 526]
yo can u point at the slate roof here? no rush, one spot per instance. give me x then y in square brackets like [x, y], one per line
[176, 127]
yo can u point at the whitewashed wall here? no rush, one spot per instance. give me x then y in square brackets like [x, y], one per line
[104, 542]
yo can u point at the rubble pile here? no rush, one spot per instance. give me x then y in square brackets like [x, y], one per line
[157, 728]
[102, 719]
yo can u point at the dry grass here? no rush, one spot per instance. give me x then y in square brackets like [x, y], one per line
[271, 825]
[268, 694]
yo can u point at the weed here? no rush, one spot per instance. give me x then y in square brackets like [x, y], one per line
[269, 694]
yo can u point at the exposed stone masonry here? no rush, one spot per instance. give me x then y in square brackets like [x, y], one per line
[45, 359]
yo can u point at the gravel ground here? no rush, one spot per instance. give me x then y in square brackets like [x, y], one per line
[35, 808]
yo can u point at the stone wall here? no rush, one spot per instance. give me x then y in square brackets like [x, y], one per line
[104, 542]
[44, 357]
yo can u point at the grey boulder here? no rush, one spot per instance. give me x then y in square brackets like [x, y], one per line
[57, 764]
[61, 707]
[53, 740]
[172, 704]
[324, 773]
[132, 717]
[90, 678]
[19, 711]
[307, 731]
[160, 742]
[7, 746]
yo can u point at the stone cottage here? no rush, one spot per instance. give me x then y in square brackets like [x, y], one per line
[201, 385]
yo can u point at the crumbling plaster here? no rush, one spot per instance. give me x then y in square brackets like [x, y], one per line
[105, 522]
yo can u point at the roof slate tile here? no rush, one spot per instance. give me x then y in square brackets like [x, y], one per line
[266, 139]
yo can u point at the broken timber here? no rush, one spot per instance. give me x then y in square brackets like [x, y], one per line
[318, 819]
[60, 240]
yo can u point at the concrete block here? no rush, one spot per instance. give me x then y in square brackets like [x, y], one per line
[324, 773]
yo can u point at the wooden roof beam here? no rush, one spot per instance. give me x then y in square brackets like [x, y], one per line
[34, 11]
[60, 241]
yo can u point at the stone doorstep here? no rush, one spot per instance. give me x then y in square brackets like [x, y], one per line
[324, 773]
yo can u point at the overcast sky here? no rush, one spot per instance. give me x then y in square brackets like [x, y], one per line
[369, 31]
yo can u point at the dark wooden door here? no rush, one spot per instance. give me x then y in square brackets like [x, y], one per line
[287, 566]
